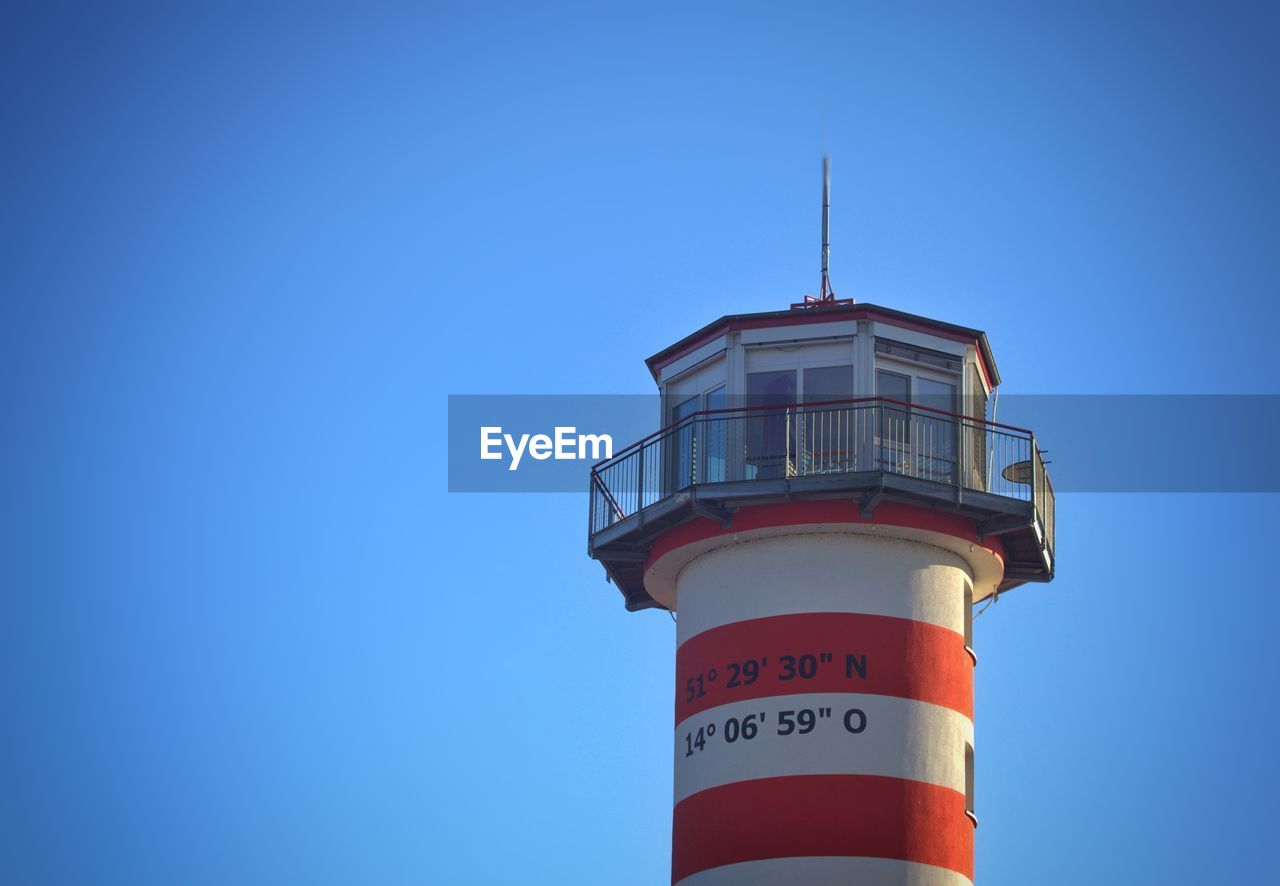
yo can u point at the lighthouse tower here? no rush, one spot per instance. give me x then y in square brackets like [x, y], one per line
[825, 503]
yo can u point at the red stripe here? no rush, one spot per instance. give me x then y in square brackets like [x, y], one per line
[832, 815]
[904, 658]
[803, 513]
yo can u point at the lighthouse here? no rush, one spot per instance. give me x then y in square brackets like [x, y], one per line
[825, 503]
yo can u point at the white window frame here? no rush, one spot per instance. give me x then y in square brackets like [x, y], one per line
[915, 373]
[673, 463]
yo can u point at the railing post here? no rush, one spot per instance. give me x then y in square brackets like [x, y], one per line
[640, 484]
[693, 452]
[864, 418]
[786, 450]
[1035, 470]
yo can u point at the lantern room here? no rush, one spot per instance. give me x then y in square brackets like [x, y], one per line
[825, 400]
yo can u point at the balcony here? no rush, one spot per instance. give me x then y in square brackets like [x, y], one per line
[868, 449]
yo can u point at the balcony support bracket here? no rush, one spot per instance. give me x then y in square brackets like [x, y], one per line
[636, 555]
[713, 512]
[869, 502]
[999, 526]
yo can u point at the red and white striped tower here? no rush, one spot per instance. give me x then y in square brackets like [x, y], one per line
[854, 632]
[825, 504]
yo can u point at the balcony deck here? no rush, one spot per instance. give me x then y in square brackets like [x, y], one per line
[869, 450]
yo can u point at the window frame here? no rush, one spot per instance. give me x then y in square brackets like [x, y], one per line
[906, 451]
[675, 465]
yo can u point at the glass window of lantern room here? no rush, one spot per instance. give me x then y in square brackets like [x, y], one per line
[774, 388]
[768, 423]
[713, 436]
[679, 444]
[894, 427]
[895, 385]
[823, 383]
[696, 449]
[937, 432]
[826, 439]
[920, 443]
[685, 408]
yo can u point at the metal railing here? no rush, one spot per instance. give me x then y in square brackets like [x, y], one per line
[1043, 498]
[808, 440]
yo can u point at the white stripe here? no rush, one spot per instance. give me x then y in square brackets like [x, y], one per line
[822, 573]
[827, 871]
[903, 738]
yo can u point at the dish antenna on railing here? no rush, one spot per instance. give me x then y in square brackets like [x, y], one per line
[826, 296]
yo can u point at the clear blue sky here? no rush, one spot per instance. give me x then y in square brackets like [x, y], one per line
[245, 634]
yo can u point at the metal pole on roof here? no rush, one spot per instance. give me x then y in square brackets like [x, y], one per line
[825, 293]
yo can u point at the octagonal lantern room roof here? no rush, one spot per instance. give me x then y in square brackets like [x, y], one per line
[821, 314]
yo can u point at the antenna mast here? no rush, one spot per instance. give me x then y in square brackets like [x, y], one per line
[826, 296]
[825, 292]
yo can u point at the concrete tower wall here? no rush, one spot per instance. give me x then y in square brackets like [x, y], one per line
[824, 704]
